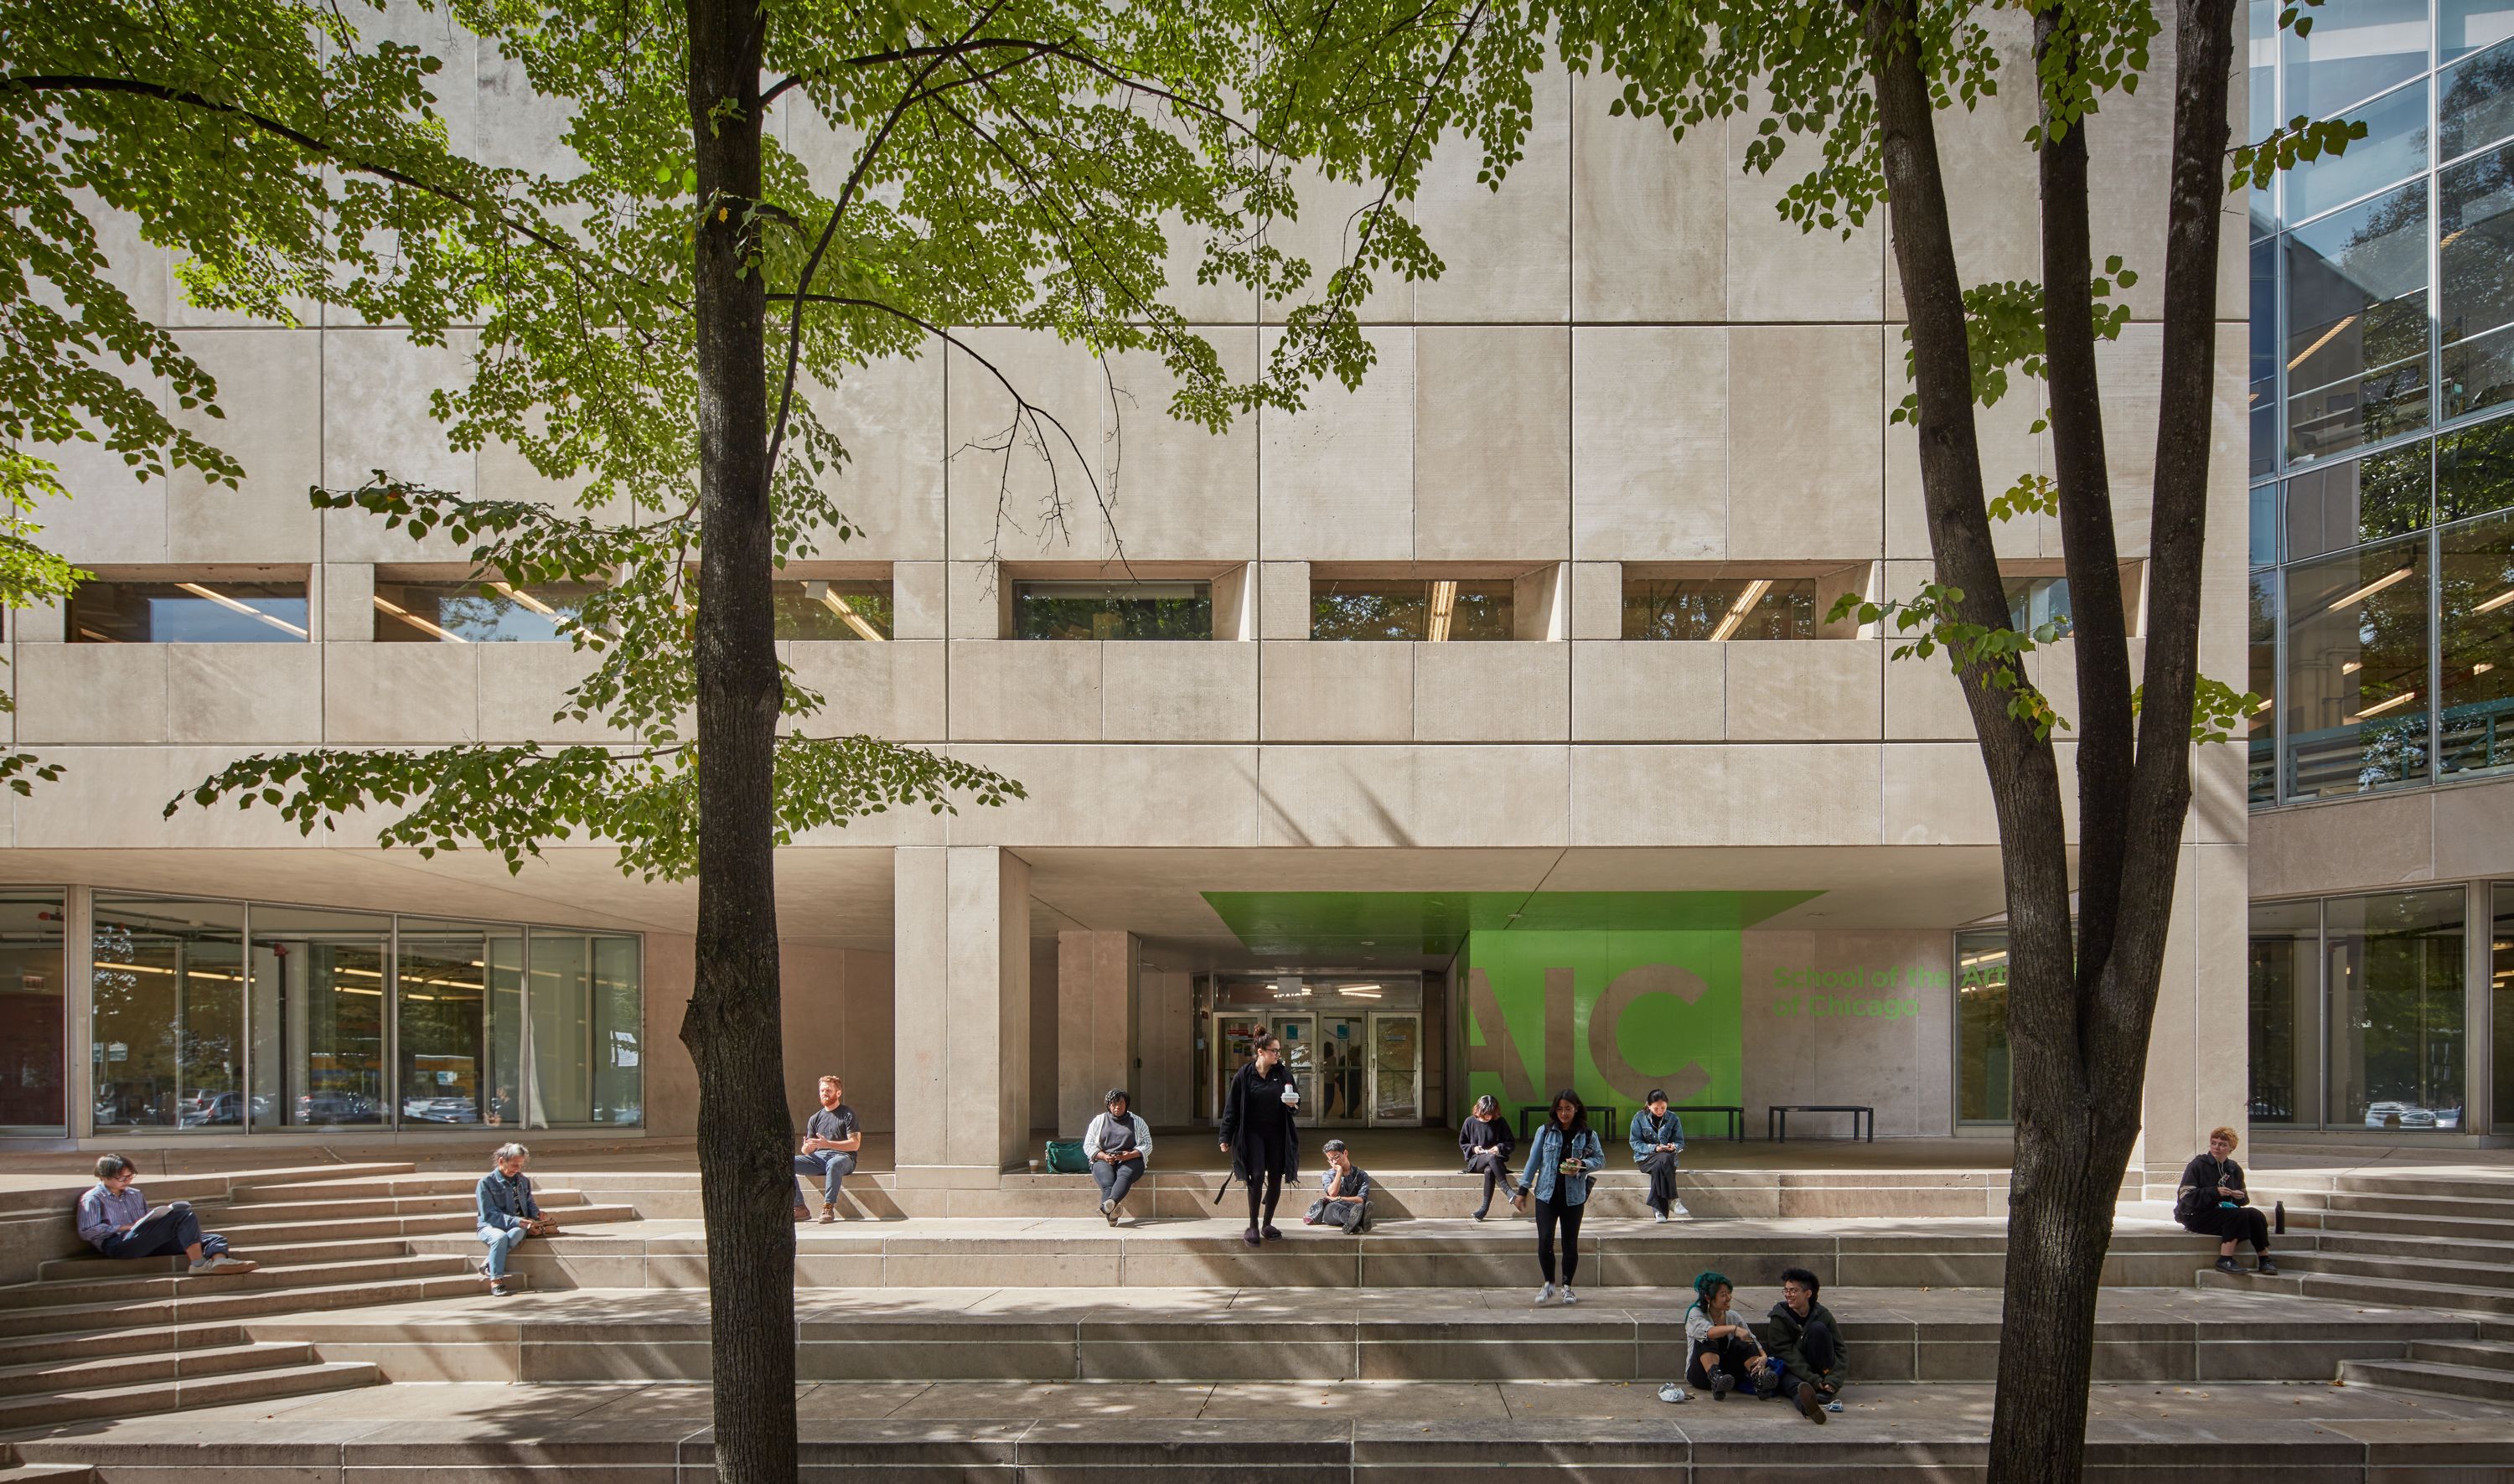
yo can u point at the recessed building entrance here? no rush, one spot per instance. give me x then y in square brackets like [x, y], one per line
[1354, 1042]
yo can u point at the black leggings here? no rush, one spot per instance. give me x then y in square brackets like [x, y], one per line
[1548, 1212]
[1730, 1355]
[1494, 1169]
[2238, 1223]
[1266, 1157]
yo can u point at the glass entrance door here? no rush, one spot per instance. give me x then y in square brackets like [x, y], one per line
[1299, 1034]
[1344, 1055]
[1396, 1067]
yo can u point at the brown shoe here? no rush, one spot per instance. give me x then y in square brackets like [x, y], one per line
[803, 1212]
[829, 1213]
[1808, 1404]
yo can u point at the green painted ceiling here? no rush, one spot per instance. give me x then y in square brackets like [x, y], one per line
[1283, 923]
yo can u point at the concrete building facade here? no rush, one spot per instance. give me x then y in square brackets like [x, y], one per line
[1478, 729]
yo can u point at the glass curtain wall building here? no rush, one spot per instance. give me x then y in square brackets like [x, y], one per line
[2382, 376]
[256, 1017]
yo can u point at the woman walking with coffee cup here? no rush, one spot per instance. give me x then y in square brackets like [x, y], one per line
[1260, 1135]
[1561, 1161]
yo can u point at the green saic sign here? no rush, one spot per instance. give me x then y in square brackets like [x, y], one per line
[1610, 1014]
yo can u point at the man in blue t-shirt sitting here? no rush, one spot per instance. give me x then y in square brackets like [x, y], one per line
[830, 1138]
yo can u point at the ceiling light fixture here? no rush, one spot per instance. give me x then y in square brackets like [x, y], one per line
[2369, 591]
[1445, 607]
[2496, 602]
[246, 609]
[829, 600]
[2402, 700]
[2483, 667]
[2352, 667]
[1738, 609]
[2327, 337]
[526, 599]
[420, 623]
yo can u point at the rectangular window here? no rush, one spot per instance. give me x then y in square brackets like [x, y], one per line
[2353, 52]
[2394, 982]
[832, 609]
[475, 611]
[1720, 608]
[2474, 248]
[2475, 574]
[34, 1012]
[1429, 610]
[2260, 729]
[2264, 404]
[2034, 601]
[2355, 692]
[2475, 470]
[2394, 148]
[458, 1016]
[2464, 26]
[2357, 325]
[1982, 1081]
[2336, 506]
[1113, 611]
[2286, 999]
[210, 611]
[319, 1017]
[2476, 107]
[167, 1014]
[588, 1030]
[2500, 1002]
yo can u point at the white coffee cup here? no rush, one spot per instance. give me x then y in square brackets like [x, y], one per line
[1291, 1096]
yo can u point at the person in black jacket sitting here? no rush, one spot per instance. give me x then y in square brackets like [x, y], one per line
[1486, 1143]
[2213, 1202]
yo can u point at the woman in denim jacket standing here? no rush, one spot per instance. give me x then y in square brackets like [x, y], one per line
[1562, 1160]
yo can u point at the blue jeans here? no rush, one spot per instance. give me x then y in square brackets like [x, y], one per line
[166, 1232]
[831, 1165]
[502, 1241]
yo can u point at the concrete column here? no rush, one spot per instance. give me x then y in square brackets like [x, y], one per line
[961, 924]
[1095, 1028]
[2201, 1048]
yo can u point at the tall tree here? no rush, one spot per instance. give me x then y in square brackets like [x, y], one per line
[654, 305]
[1866, 82]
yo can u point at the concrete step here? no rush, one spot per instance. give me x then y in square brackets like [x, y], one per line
[310, 1246]
[312, 1175]
[336, 1206]
[2355, 1289]
[2477, 1355]
[2386, 1222]
[575, 1213]
[136, 1339]
[258, 1192]
[2405, 1244]
[2496, 1208]
[2414, 1273]
[86, 1374]
[186, 1286]
[118, 1401]
[2431, 1378]
[47, 1473]
[233, 1306]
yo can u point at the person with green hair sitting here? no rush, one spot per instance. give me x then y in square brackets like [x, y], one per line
[1720, 1351]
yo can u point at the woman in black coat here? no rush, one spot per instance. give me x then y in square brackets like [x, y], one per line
[1487, 1145]
[1260, 1135]
[2211, 1201]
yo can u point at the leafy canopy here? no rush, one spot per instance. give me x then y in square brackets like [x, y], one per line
[928, 165]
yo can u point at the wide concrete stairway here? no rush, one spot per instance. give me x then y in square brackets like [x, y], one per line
[95, 1337]
[2432, 1240]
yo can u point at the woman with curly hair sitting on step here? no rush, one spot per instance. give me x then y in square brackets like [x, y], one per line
[2213, 1202]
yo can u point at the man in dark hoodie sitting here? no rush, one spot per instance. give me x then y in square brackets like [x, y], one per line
[1805, 1340]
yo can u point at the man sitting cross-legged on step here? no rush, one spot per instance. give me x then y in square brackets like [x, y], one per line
[1807, 1345]
[508, 1212]
[114, 1219]
[1343, 1194]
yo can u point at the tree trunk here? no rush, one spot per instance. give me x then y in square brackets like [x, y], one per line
[2082, 1000]
[731, 1028]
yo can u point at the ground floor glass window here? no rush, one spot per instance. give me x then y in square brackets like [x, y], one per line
[167, 998]
[2285, 994]
[2393, 976]
[1981, 1029]
[34, 1012]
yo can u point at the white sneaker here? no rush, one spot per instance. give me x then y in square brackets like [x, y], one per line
[1569, 1296]
[1672, 1393]
[222, 1264]
[1658, 1217]
[1676, 1208]
[1545, 1295]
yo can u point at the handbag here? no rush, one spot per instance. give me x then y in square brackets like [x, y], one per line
[1065, 1158]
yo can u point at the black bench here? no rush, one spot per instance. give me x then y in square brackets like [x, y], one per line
[1602, 1119]
[1777, 1118]
[1735, 1115]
